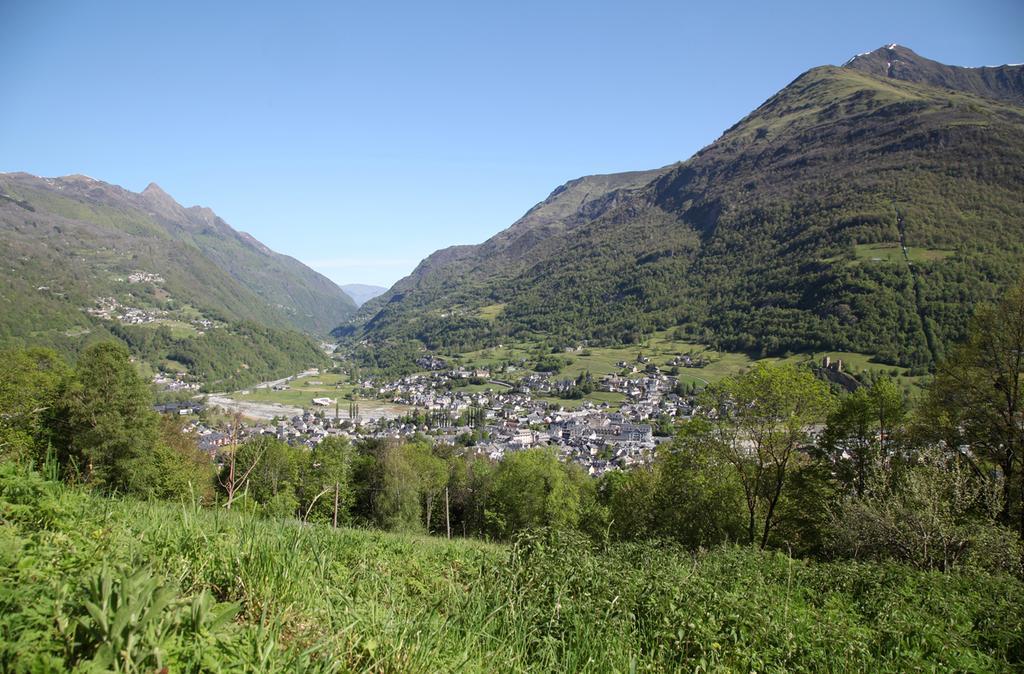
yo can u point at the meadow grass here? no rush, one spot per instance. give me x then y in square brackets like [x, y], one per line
[93, 583]
[490, 312]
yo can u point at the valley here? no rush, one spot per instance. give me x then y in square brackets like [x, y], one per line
[758, 409]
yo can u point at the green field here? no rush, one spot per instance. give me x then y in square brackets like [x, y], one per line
[891, 252]
[479, 388]
[179, 329]
[301, 391]
[491, 358]
[614, 400]
[660, 349]
[490, 312]
[95, 584]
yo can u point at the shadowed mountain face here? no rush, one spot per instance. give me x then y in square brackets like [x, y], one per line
[854, 210]
[75, 240]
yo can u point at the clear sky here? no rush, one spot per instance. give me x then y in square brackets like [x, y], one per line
[360, 137]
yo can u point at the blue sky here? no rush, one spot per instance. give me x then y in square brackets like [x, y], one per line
[360, 137]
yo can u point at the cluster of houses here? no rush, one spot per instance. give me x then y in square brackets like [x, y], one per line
[513, 418]
[108, 308]
[144, 277]
[309, 429]
[593, 438]
[174, 382]
[505, 417]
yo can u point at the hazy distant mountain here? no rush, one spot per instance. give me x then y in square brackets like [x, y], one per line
[787, 233]
[362, 293]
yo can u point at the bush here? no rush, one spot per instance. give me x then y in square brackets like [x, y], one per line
[933, 513]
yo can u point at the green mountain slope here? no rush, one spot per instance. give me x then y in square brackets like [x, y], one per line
[85, 260]
[74, 239]
[787, 233]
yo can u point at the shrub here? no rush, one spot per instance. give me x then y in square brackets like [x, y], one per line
[933, 513]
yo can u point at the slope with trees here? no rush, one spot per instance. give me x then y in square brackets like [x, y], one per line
[762, 242]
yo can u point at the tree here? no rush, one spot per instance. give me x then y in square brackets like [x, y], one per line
[108, 423]
[272, 468]
[432, 473]
[31, 382]
[231, 479]
[175, 466]
[864, 426]
[759, 421]
[530, 489]
[469, 478]
[629, 497]
[388, 487]
[977, 399]
[324, 487]
[697, 498]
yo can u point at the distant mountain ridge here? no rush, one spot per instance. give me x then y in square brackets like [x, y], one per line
[362, 293]
[766, 239]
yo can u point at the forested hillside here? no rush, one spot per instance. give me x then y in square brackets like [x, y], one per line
[850, 211]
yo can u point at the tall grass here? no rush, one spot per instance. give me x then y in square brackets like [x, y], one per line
[101, 584]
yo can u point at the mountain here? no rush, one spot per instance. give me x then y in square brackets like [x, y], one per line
[362, 293]
[82, 238]
[86, 259]
[857, 209]
[1004, 83]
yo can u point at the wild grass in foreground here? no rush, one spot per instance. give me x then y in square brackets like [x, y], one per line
[97, 584]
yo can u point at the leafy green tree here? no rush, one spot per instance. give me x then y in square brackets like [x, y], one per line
[325, 482]
[697, 500]
[629, 497]
[531, 489]
[664, 426]
[108, 426]
[864, 425]
[388, 486]
[31, 382]
[977, 399]
[174, 467]
[432, 477]
[271, 470]
[469, 477]
[933, 512]
[761, 421]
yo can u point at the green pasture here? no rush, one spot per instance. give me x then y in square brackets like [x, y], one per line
[890, 251]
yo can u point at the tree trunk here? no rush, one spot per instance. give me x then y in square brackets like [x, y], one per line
[780, 477]
[751, 524]
[447, 514]
[335, 520]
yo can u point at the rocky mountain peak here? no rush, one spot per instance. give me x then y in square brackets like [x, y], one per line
[894, 61]
[154, 190]
[155, 196]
